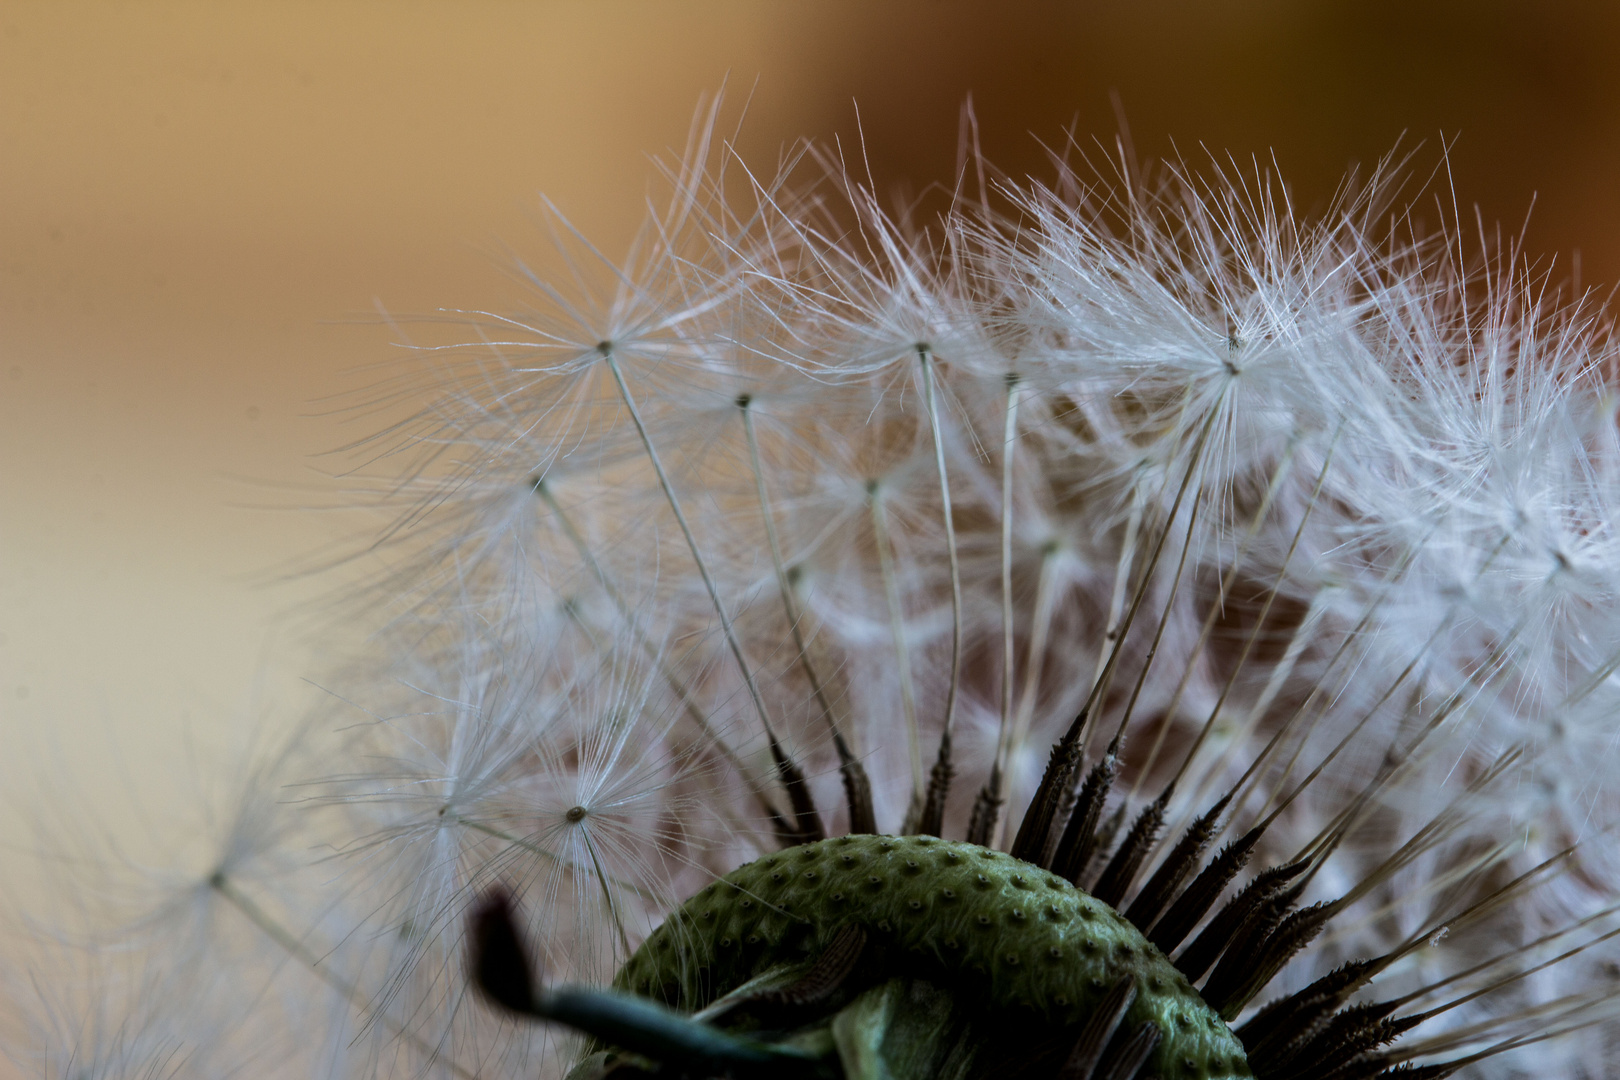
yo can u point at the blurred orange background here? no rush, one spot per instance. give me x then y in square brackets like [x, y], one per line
[197, 200]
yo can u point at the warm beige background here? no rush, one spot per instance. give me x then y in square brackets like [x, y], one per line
[193, 197]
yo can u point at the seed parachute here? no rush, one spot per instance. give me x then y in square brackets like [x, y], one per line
[1108, 627]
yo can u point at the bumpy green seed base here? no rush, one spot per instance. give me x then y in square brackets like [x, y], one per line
[977, 920]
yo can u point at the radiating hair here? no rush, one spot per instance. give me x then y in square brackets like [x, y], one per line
[1124, 522]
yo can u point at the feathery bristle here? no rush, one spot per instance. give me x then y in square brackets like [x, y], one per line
[806, 521]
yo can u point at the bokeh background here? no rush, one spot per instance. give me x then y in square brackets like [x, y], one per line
[203, 207]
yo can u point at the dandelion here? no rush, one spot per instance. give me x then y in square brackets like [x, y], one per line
[1114, 629]
[1263, 528]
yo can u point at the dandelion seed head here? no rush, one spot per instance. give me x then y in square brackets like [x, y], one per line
[803, 495]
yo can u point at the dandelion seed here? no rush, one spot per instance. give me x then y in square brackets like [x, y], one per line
[1273, 575]
[1294, 546]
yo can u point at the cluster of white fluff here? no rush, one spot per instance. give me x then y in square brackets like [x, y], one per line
[797, 467]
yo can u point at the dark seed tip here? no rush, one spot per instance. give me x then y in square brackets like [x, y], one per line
[500, 962]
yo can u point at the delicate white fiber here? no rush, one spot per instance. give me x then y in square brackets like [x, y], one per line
[1325, 500]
